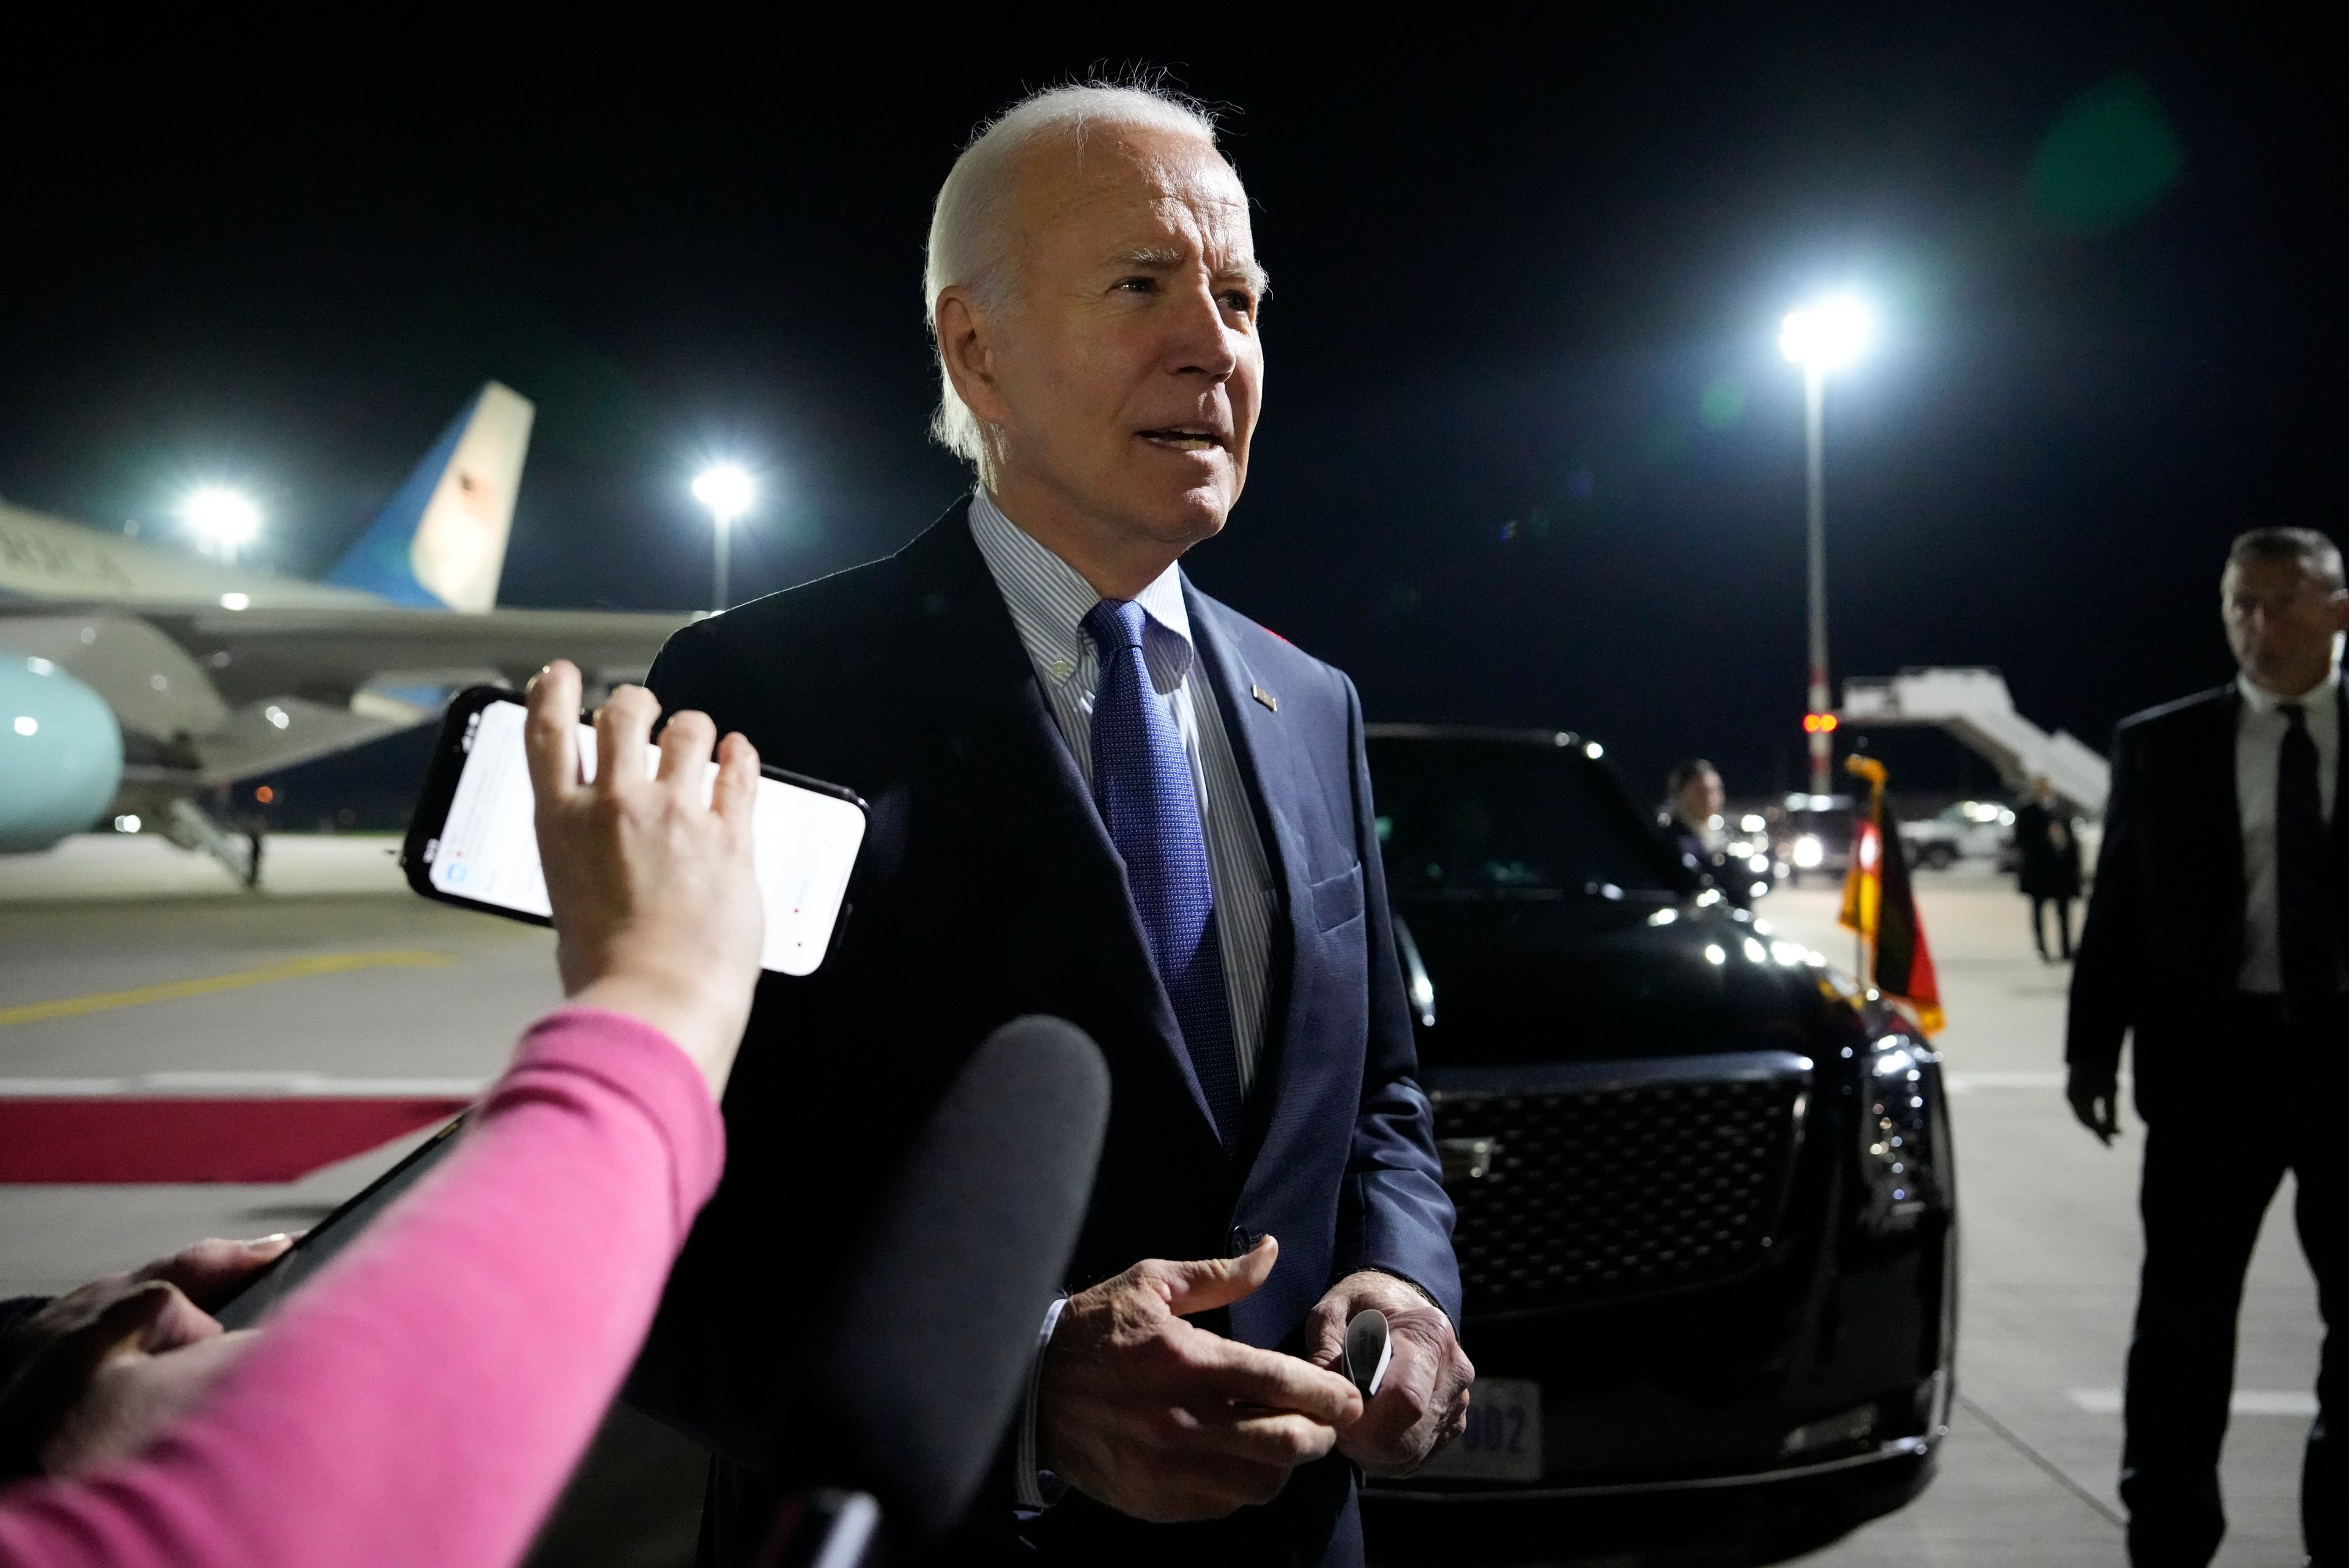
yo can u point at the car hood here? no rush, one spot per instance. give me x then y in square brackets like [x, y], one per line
[1521, 980]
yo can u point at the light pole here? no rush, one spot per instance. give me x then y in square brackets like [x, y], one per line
[225, 520]
[726, 489]
[1820, 338]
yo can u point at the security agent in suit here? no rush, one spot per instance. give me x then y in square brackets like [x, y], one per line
[2047, 842]
[1690, 820]
[1099, 794]
[2218, 935]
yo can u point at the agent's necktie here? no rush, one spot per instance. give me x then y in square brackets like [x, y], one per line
[2305, 937]
[1142, 780]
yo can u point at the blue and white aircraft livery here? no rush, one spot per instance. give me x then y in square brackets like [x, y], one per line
[134, 679]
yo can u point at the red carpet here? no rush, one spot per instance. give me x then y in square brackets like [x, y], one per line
[119, 1138]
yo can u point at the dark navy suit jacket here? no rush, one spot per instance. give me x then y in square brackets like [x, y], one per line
[2162, 949]
[989, 889]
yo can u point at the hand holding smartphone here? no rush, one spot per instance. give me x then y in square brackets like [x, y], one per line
[472, 842]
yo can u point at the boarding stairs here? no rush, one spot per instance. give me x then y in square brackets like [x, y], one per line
[1974, 706]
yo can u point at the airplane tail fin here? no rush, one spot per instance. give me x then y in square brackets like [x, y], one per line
[441, 541]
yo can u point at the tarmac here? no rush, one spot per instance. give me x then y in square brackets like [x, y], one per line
[167, 968]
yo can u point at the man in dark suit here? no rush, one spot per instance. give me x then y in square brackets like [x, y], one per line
[2216, 935]
[2047, 842]
[1098, 793]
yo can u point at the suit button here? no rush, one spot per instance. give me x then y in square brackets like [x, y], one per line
[1241, 1240]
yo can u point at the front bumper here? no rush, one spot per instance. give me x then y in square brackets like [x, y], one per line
[1756, 1516]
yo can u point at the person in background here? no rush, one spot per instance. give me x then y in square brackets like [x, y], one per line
[1692, 817]
[2214, 937]
[2048, 839]
[423, 1400]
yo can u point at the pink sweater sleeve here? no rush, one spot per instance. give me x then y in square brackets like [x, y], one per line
[423, 1400]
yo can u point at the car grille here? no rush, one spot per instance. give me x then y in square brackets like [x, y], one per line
[1605, 1192]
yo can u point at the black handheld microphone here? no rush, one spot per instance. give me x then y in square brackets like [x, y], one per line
[928, 1358]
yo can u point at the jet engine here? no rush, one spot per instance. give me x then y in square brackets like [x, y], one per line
[60, 754]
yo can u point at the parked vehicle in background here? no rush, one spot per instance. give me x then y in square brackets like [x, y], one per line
[1810, 834]
[1707, 1217]
[1962, 831]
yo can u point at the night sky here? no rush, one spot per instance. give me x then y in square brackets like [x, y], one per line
[1529, 453]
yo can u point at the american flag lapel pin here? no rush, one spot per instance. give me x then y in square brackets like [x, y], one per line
[1264, 697]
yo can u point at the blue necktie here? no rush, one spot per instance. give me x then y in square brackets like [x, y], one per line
[1142, 780]
[2305, 938]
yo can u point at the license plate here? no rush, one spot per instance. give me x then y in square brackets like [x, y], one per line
[1503, 1441]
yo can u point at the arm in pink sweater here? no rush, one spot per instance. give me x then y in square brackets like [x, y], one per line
[423, 1400]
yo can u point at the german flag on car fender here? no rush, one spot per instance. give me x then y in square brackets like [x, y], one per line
[1879, 905]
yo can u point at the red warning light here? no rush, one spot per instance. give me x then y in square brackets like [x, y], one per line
[265, 794]
[1818, 723]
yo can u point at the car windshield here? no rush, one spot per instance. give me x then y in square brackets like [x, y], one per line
[1506, 816]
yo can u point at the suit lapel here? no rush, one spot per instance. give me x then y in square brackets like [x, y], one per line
[2226, 806]
[996, 724]
[2340, 824]
[1264, 751]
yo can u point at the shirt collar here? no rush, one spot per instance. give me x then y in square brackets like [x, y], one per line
[1049, 598]
[2317, 698]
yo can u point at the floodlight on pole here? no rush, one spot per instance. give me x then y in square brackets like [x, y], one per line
[1829, 334]
[726, 489]
[223, 519]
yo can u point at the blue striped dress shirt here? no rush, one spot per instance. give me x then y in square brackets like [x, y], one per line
[1048, 599]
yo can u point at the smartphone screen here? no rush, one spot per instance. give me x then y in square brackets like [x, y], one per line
[804, 840]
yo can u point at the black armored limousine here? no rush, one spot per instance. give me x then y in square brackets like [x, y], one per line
[1708, 1224]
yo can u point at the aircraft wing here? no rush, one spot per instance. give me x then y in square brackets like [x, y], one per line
[221, 695]
[339, 652]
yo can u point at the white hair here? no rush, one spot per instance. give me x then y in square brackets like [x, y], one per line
[970, 240]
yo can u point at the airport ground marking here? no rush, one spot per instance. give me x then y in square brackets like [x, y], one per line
[213, 984]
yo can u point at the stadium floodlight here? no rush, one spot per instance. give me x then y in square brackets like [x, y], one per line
[727, 491]
[1828, 334]
[224, 520]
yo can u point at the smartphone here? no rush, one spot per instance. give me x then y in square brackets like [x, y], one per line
[330, 1235]
[472, 841]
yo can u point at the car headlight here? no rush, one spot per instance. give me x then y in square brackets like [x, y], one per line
[1809, 853]
[1903, 1136]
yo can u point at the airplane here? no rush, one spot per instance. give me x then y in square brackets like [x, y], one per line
[135, 681]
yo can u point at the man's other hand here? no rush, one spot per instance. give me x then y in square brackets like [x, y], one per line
[1423, 1402]
[97, 1373]
[1165, 1421]
[2095, 1100]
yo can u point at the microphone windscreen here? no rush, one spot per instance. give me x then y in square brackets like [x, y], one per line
[930, 1356]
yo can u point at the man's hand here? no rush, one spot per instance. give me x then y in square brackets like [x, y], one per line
[1423, 1402]
[97, 1373]
[2095, 1100]
[1161, 1419]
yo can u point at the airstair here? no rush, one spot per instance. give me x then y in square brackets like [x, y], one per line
[1974, 706]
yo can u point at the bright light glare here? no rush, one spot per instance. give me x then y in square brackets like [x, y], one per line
[222, 518]
[1809, 853]
[236, 602]
[27, 724]
[126, 823]
[1828, 334]
[726, 489]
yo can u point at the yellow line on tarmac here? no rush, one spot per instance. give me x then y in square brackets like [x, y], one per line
[212, 985]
